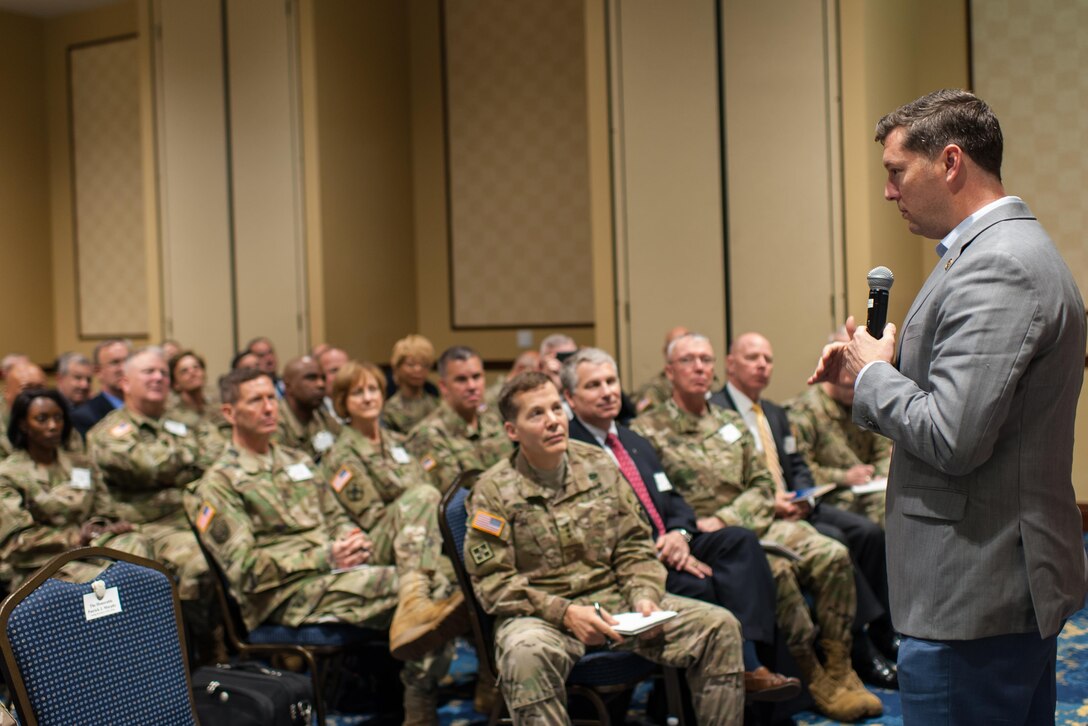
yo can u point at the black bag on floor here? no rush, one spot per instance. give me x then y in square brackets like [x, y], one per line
[248, 693]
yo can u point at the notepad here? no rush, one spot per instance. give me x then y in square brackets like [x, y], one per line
[876, 485]
[635, 623]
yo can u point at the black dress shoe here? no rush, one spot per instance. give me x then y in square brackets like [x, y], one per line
[874, 668]
[886, 641]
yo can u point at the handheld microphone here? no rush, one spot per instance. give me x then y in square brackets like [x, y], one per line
[880, 282]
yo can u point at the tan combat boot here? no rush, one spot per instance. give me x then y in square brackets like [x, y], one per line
[831, 699]
[421, 624]
[838, 667]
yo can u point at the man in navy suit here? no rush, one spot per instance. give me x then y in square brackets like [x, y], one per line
[109, 368]
[726, 567]
[749, 365]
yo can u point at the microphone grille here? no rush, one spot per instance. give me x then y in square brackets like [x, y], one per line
[881, 278]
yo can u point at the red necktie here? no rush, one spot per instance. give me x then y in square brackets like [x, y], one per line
[630, 472]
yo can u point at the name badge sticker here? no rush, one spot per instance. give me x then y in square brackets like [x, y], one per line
[400, 455]
[729, 433]
[322, 441]
[662, 482]
[177, 428]
[299, 472]
[97, 605]
[81, 479]
[790, 445]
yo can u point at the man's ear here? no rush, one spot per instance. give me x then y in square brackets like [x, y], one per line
[511, 431]
[228, 413]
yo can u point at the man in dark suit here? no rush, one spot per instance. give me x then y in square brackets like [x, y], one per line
[726, 567]
[109, 368]
[984, 537]
[749, 365]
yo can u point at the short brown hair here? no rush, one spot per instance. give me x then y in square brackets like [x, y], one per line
[349, 376]
[230, 384]
[949, 116]
[521, 383]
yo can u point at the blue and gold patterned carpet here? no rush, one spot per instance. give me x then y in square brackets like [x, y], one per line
[1072, 688]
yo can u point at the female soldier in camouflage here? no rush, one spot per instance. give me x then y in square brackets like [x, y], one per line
[52, 500]
[413, 356]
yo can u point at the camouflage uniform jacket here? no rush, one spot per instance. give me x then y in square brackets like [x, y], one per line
[446, 447]
[365, 477]
[401, 414]
[262, 519]
[533, 550]
[314, 439]
[830, 440]
[178, 410]
[43, 507]
[147, 462]
[712, 461]
[653, 393]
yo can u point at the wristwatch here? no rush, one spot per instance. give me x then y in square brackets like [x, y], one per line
[684, 533]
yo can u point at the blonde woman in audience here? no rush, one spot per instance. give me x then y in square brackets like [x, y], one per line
[412, 358]
[52, 500]
[190, 404]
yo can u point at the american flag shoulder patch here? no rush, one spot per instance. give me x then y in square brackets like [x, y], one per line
[342, 478]
[488, 522]
[122, 428]
[428, 463]
[207, 513]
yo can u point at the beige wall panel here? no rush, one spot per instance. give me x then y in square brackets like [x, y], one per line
[107, 163]
[518, 171]
[24, 192]
[1040, 99]
[192, 159]
[363, 157]
[429, 200]
[60, 33]
[781, 123]
[667, 177]
[266, 145]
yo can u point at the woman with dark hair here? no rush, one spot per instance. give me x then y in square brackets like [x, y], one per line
[190, 404]
[52, 500]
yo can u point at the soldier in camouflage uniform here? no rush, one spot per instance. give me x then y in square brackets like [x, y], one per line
[462, 434]
[22, 375]
[146, 460]
[412, 358]
[554, 531]
[657, 390]
[710, 457]
[837, 450]
[385, 491]
[50, 500]
[292, 556]
[304, 422]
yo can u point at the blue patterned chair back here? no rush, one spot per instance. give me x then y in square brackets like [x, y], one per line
[128, 667]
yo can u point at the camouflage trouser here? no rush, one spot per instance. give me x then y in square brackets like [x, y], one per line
[825, 571]
[534, 659]
[177, 549]
[132, 543]
[407, 536]
[870, 506]
[365, 597]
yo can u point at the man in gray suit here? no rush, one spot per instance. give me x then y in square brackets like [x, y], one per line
[985, 555]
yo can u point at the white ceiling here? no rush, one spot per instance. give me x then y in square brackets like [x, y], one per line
[50, 8]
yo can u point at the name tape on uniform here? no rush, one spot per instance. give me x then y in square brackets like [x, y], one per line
[81, 479]
[729, 433]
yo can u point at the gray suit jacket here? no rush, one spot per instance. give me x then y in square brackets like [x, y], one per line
[984, 535]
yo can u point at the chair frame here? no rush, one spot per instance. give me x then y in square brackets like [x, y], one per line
[485, 651]
[12, 670]
[237, 634]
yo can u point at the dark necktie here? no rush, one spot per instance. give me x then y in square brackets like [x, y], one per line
[630, 472]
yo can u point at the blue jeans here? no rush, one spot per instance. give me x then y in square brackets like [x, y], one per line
[1004, 679]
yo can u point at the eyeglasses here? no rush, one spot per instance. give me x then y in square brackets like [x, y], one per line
[689, 360]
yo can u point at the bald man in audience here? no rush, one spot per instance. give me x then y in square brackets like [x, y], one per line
[20, 376]
[109, 369]
[304, 422]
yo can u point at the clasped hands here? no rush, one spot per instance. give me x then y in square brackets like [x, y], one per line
[351, 550]
[840, 362]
